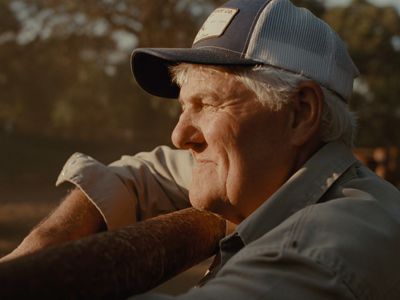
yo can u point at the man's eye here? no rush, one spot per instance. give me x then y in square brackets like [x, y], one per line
[209, 106]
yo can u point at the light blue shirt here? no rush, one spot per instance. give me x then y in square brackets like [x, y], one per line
[332, 231]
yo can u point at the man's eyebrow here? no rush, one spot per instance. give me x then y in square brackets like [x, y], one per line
[200, 96]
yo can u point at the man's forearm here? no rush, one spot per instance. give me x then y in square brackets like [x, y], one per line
[115, 264]
[76, 217]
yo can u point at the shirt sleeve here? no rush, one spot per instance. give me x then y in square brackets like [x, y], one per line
[340, 249]
[134, 187]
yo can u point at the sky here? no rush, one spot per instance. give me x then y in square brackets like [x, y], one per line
[395, 3]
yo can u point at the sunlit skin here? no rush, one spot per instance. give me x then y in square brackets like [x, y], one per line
[243, 151]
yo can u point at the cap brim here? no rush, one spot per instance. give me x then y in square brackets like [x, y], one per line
[150, 66]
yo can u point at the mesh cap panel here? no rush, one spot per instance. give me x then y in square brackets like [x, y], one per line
[292, 38]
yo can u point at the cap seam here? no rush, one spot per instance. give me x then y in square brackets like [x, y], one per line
[253, 25]
[215, 47]
[333, 48]
[277, 40]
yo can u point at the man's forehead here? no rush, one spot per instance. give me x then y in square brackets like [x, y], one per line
[213, 83]
[207, 76]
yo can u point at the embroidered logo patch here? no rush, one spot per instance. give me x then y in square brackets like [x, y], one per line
[216, 23]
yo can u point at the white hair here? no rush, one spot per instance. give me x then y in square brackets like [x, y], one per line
[274, 88]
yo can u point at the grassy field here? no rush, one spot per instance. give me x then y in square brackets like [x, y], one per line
[22, 207]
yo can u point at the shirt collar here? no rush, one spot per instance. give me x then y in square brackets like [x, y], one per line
[303, 188]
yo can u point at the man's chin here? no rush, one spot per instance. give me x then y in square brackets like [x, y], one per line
[200, 205]
[217, 206]
[204, 203]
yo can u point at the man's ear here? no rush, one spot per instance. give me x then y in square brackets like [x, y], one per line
[307, 109]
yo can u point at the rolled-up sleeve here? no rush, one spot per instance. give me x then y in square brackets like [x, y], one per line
[134, 187]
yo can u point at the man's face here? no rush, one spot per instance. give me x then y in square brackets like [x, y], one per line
[238, 144]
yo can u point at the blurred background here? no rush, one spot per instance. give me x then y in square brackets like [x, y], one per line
[66, 86]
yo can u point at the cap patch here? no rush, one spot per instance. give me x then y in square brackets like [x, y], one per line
[216, 23]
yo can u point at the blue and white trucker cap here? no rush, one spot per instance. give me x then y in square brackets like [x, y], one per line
[255, 32]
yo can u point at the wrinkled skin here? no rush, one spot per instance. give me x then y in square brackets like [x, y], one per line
[240, 146]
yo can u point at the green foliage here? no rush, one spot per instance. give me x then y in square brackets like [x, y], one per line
[65, 71]
[371, 33]
[70, 77]
[315, 6]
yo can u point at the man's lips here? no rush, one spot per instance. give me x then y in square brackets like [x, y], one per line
[199, 159]
[203, 161]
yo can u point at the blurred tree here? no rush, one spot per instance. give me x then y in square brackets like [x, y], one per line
[64, 71]
[65, 66]
[372, 34]
[315, 6]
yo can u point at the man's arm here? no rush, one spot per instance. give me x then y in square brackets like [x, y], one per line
[74, 218]
[115, 264]
[133, 188]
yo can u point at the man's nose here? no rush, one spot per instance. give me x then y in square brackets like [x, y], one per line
[185, 134]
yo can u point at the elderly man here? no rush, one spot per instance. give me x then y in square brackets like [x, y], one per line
[264, 92]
